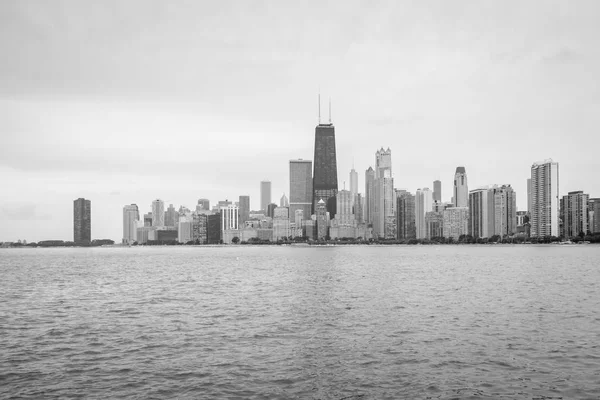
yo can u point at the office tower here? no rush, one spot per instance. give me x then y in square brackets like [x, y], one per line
[481, 213]
[204, 204]
[322, 220]
[437, 191]
[594, 210]
[298, 217]
[575, 214]
[456, 222]
[544, 199]
[383, 162]
[353, 183]
[265, 194]
[148, 219]
[405, 215]
[171, 216]
[185, 228]
[158, 213]
[344, 224]
[213, 228]
[244, 210]
[281, 223]
[423, 204]
[529, 196]
[229, 216]
[283, 202]
[434, 224]
[369, 195]
[271, 210]
[200, 226]
[325, 182]
[359, 208]
[131, 216]
[82, 221]
[301, 191]
[461, 189]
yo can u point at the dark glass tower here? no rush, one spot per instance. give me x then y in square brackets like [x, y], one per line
[325, 183]
[82, 221]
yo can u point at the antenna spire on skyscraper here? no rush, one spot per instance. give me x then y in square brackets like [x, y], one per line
[319, 107]
[330, 110]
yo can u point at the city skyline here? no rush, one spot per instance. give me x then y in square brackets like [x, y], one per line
[89, 126]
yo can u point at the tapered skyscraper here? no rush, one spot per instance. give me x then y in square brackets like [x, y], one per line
[325, 183]
[265, 194]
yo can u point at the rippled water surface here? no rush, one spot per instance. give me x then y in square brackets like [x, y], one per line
[318, 323]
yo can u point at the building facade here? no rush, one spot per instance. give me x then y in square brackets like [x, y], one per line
[434, 224]
[461, 188]
[574, 212]
[131, 218]
[82, 221]
[544, 220]
[301, 187]
[158, 213]
[369, 195]
[405, 216]
[456, 222]
[244, 210]
[325, 182]
[423, 204]
[437, 191]
[265, 194]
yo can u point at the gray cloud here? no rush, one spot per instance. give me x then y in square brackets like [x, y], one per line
[21, 212]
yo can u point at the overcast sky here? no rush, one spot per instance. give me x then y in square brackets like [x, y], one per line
[125, 101]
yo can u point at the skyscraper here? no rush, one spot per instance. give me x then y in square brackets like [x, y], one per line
[171, 216]
[405, 215]
[244, 210]
[369, 195]
[461, 189]
[437, 191]
[325, 183]
[423, 204]
[158, 213]
[283, 202]
[456, 222]
[82, 221]
[265, 194]
[204, 204]
[594, 215]
[131, 216]
[575, 214]
[301, 187]
[383, 162]
[353, 183]
[492, 211]
[529, 196]
[544, 199]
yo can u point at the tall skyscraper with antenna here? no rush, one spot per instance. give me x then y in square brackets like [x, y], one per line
[325, 182]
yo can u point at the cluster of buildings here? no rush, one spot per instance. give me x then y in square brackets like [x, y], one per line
[318, 210]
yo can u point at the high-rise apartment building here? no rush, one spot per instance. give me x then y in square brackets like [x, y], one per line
[456, 222]
[344, 224]
[244, 210]
[434, 224]
[461, 189]
[594, 215]
[437, 191]
[82, 221]
[574, 213]
[544, 219]
[301, 191]
[493, 211]
[369, 195]
[383, 211]
[229, 217]
[158, 213]
[265, 194]
[131, 217]
[423, 204]
[529, 196]
[325, 182]
[322, 220]
[405, 216]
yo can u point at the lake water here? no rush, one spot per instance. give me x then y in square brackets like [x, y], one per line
[417, 322]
